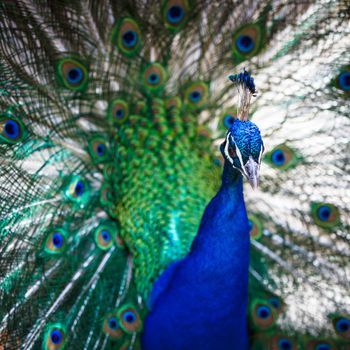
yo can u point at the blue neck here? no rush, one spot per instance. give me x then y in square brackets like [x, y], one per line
[224, 221]
[220, 256]
[201, 301]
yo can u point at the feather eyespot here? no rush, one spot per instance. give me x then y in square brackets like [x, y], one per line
[55, 242]
[111, 326]
[282, 157]
[12, 130]
[118, 111]
[325, 215]
[248, 41]
[255, 226]
[263, 312]
[55, 337]
[196, 94]
[129, 317]
[75, 75]
[245, 43]
[113, 323]
[283, 342]
[344, 81]
[175, 14]
[126, 35]
[341, 324]
[262, 315]
[98, 150]
[78, 190]
[108, 200]
[130, 320]
[323, 346]
[278, 157]
[228, 121]
[104, 235]
[154, 77]
[72, 74]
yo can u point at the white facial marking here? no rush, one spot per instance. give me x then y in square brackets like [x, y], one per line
[239, 155]
[226, 148]
[261, 153]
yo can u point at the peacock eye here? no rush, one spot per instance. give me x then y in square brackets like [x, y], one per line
[175, 14]
[113, 323]
[245, 43]
[78, 190]
[232, 151]
[323, 346]
[196, 94]
[285, 344]
[129, 38]
[103, 237]
[263, 316]
[72, 74]
[97, 148]
[344, 81]
[263, 312]
[228, 121]
[11, 130]
[75, 75]
[282, 157]
[248, 40]
[55, 242]
[255, 227]
[278, 157]
[118, 111]
[154, 77]
[55, 337]
[129, 317]
[325, 215]
[130, 320]
[126, 35]
[341, 325]
[111, 326]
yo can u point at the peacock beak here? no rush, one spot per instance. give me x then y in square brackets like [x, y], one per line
[251, 172]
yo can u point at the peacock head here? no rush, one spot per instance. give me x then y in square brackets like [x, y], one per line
[243, 149]
[243, 146]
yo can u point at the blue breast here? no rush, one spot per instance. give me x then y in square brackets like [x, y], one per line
[200, 302]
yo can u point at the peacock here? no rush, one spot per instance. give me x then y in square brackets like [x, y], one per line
[174, 174]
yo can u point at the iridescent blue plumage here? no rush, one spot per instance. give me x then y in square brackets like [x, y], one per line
[111, 114]
[200, 301]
